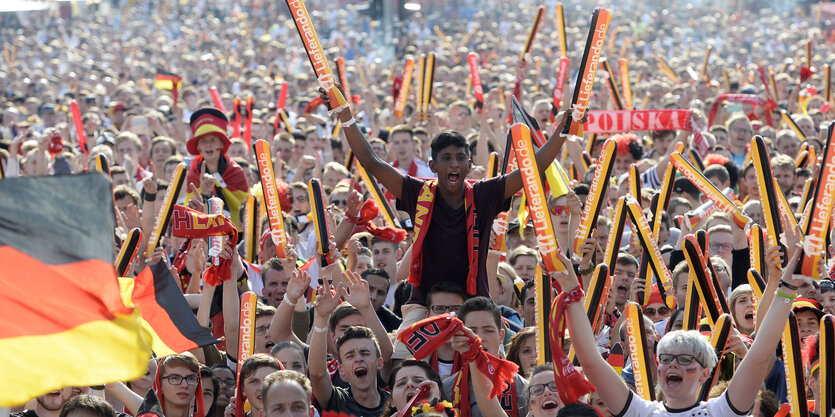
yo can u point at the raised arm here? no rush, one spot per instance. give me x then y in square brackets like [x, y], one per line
[482, 385]
[388, 175]
[613, 391]
[356, 293]
[544, 156]
[231, 307]
[317, 359]
[281, 328]
[741, 392]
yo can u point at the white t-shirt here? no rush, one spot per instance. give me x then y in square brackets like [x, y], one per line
[716, 407]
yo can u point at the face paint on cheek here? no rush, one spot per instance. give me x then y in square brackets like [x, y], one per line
[692, 371]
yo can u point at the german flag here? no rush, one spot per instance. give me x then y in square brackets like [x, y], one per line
[64, 323]
[167, 81]
[164, 310]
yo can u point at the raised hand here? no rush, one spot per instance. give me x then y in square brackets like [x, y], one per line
[207, 182]
[355, 290]
[196, 257]
[196, 203]
[297, 285]
[327, 299]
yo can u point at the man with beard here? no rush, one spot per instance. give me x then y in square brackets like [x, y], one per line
[48, 405]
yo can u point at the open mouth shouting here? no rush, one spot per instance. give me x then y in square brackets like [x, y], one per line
[673, 379]
[361, 372]
[549, 405]
[453, 178]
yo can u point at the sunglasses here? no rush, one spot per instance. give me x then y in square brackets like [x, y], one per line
[683, 359]
[341, 203]
[557, 210]
[649, 311]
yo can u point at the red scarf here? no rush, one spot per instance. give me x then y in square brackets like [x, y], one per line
[363, 222]
[423, 218]
[508, 398]
[412, 168]
[424, 337]
[743, 98]
[571, 385]
[190, 223]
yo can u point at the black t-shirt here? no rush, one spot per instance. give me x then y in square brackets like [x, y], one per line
[343, 401]
[445, 254]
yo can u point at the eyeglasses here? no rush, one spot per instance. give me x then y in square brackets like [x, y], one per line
[441, 309]
[538, 389]
[649, 311]
[683, 359]
[261, 330]
[228, 382]
[720, 269]
[557, 210]
[721, 246]
[827, 285]
[175, 379]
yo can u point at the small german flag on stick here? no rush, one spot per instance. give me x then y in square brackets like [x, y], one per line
[169, 81]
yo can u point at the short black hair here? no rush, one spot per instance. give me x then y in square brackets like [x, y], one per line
[375, 271]
[447, 287]
[448, 138]
[525, 288]
[481, 303]
[89, 403]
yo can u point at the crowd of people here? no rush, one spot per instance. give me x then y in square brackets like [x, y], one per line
[461, 248]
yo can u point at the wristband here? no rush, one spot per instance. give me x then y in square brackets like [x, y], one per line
[148, 197]
[348, 122]
[495, 252]
[318, 329]
[786, 297]
[290, 303]
[785, 284]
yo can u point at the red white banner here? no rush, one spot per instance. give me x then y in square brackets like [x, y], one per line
[614, 121]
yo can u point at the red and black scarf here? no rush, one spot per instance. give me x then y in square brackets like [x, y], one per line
[423, 218]
[424, 337]
[189, 223]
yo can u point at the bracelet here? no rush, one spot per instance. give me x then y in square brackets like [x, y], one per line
[786, 297]
[785, 284]
[290, 303]
[586, 271]
[348, 122]
[318, 329]
[495, 252]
